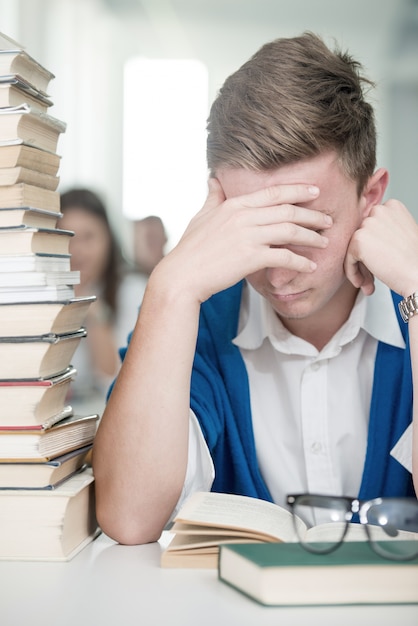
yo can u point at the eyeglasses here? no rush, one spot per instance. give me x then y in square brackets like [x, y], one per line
[323, 522]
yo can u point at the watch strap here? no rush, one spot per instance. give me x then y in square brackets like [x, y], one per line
[409, 306]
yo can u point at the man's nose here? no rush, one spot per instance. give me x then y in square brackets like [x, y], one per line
[279, 277]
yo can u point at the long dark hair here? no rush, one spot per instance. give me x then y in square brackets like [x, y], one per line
[90, 202]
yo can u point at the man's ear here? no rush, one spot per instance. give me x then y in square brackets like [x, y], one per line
[374, 190]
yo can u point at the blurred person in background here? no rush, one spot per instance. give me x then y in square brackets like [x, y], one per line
[149, 241]
[96, 254]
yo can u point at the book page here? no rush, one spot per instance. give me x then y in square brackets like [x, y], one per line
[355, 532]
[333, 531]
[226, 511]
[189, 532]
[207, 543]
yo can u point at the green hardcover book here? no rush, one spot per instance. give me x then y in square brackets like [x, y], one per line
[285, 574]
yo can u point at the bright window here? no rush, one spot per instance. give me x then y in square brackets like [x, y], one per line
[164, 154]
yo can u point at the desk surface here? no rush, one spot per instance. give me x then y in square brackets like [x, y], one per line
[109, 584]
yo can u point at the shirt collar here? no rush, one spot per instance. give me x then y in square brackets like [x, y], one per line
[375, 314]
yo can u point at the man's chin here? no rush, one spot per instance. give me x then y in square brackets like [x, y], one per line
[293, 312]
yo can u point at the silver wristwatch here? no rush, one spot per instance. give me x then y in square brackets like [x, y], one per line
[409, 307]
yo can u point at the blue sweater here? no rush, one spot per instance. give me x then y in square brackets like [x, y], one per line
[220, 398]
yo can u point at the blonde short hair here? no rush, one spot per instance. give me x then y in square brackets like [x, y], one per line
[294, 99]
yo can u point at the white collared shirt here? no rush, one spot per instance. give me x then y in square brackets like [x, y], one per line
[310, 417]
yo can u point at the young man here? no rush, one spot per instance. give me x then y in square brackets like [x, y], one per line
[269, 356]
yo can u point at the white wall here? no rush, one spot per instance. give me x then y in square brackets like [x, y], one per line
[85, 43]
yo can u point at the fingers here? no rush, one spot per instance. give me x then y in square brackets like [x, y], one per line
[233, 237]
[280, 203]
[355, 266]
[274, 196]
[388, 227]
[358, 274]
[290, 234]
[267, 218]
[287, 259]
[279, 195]
[271, 205]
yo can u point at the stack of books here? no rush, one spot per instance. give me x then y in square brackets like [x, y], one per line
[46, 485]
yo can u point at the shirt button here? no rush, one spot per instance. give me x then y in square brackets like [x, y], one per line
[316, 447]
[315, 366]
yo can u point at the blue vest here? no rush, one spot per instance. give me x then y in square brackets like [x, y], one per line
[220, 399]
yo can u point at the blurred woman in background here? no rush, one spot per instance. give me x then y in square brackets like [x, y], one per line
[96, 254]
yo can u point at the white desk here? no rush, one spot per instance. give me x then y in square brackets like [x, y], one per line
[111, 585]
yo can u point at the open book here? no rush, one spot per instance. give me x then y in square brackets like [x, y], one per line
[209, 519]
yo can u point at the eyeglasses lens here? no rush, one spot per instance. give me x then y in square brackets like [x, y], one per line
[390, 526]
[330, 513]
